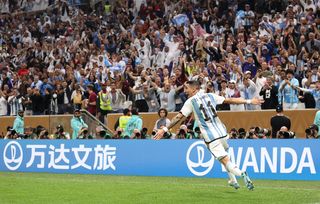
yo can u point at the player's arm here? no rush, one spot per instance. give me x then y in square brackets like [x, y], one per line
[254, 101]
[175, 120]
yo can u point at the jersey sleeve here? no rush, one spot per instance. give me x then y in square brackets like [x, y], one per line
[218, 99]
[187, 108]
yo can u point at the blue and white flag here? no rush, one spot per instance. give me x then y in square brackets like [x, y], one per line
[180, 19]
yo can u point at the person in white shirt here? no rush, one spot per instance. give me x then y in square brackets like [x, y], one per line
[3, 104]
[214, 132]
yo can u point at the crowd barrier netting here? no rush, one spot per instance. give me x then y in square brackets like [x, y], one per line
[263, 159]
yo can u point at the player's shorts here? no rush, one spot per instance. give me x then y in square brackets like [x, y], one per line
[219, 148]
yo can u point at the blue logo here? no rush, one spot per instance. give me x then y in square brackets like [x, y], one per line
[12, 155]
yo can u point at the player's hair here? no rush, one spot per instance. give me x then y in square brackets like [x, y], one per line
[195, 84]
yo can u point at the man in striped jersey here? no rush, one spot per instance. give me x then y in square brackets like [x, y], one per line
[214, 132]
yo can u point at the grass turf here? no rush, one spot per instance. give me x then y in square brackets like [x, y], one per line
[66, 188]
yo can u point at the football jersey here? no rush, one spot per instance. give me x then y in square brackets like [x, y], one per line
[203, 105]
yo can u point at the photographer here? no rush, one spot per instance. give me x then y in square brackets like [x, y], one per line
[233, 134]
[84, 134]
[42, 132]
[60, 133]
[284, 133]
[77, 124]
[30, 133]
[11, 133]
[101, 133]
[183, 133]
[258, 133]
[312, 132]
[18, 124]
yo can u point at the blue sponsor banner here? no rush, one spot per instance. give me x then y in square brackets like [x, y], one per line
[262, 159]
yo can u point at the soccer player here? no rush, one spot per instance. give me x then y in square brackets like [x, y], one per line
[213, 130]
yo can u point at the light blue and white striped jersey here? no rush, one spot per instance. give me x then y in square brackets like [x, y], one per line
[203, 105]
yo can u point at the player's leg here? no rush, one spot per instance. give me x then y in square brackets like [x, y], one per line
[232, 168]
[232, 178]
[219, 152]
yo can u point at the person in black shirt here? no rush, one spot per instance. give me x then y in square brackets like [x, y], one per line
[278, 121]
[270, 95]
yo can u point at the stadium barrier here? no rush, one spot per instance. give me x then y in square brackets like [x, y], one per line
[262, 159]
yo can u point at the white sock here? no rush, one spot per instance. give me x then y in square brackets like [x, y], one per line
[232, 177]
[233, 169]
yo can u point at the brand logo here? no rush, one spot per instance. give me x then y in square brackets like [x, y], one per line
[12, 155]
[199, 162]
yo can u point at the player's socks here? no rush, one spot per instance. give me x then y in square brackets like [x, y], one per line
[232, 177]
[233, 169]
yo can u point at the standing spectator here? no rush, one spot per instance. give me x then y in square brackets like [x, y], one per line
[167, 97]
[27, 103]
[288, 95]
[37, 102]
[92, 100]
[18, 124]
[117, 98]
[312, 44]
[270, 95]
[279, 121]
[15, 102]
[104, 103]
[315, 93]
[3, 104]
[77, 124]
[248, 18]
[234, 92]
[76, 97]
[249, 90]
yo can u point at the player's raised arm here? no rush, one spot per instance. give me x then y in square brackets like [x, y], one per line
[254, 101]
[176, 119]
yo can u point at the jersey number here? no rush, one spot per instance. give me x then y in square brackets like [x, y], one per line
[210, 111]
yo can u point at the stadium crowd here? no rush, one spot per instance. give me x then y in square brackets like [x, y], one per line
[139, 54]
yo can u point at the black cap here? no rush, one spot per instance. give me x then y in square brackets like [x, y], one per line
[279, 108]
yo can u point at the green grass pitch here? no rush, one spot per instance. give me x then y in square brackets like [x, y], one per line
[65, 188]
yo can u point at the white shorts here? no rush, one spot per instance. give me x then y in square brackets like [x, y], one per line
[219, 148]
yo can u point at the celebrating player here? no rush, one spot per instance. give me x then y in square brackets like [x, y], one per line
[213, 130]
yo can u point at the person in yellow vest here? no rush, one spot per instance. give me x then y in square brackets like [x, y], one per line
[122, 121]
[104, 103]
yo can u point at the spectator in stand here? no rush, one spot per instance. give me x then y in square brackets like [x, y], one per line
[104, 103]
[117, 98]
[37, 101]
[279, 121]
[3, 104]
[315, 93]
[270, 95]
[288, 95]
[92, 100]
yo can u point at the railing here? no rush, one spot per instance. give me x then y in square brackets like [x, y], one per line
[93, 122]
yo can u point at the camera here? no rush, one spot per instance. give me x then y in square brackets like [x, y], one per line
[311, 129]
[286, 134]
[261, 132]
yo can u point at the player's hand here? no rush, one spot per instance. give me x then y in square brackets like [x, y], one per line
[159, 134]
[257, 101]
